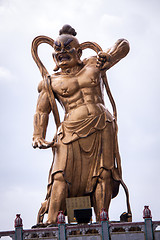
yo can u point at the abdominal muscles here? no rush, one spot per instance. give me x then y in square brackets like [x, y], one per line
[84, 111]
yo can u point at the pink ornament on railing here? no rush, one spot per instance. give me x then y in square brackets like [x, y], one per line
[60, 217]
[103, 215]
[18, 221]
[147, 212]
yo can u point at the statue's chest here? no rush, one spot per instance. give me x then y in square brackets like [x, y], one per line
[89, 77]
[65, 85]
[69, 85]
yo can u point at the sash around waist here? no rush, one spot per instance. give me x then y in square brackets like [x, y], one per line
[70, 131]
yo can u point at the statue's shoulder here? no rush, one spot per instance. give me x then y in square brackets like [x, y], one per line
[90, 61]
[55, 76]
[40, 86]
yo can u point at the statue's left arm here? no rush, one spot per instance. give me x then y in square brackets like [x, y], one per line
[106, 59]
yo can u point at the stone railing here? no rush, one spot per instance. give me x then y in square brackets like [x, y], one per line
[41, 233]
[97, 231]
[10, 234]
[104, 230]
[87, 231]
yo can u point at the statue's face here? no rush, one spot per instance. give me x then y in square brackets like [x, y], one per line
[67, 52]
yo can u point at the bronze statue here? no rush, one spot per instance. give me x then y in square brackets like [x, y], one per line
[86, 158]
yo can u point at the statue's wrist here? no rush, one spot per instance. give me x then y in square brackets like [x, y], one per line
[37, 136]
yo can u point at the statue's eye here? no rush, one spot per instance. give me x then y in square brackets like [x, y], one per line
[58, 49]
[68, 47]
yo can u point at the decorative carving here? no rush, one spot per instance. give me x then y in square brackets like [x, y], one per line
[60, 218]
[104, 215]
[18, 221]
[147, 212]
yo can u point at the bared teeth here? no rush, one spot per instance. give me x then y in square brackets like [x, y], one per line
[64, 57]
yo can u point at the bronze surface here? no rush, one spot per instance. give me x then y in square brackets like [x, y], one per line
[86, 159]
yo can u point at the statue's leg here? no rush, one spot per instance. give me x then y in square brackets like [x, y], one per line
[41, 212]
[59, 194]
[103, 193]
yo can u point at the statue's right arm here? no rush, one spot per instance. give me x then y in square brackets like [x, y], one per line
[41, 119]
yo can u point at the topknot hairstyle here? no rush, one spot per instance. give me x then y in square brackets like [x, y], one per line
[67, 29]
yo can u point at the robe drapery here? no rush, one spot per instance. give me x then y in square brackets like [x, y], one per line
[84, 149]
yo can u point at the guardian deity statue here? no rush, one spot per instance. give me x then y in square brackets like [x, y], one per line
[86, 159]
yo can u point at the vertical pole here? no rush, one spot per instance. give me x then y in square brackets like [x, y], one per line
[104, 224]
[148, 223]
[18, 233]
[61, 226]
[18, 228]
[61, 232]
[105, 230]
[148, 229]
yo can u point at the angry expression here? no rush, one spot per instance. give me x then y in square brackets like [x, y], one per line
[67, 53]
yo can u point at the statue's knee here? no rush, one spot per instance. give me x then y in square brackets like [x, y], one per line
[105, 175]
[59, 177]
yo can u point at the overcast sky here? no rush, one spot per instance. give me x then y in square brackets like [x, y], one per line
[134, 82]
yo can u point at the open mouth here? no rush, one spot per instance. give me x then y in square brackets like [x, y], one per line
[64, 57]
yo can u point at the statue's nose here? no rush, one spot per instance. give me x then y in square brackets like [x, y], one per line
[63, 50]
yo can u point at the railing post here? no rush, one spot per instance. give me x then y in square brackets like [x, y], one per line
[104, 223]
[61, 226]
[62, 231]
[105, 230]
[18, 228]
[148, 223]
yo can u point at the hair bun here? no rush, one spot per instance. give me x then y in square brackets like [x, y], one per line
[67, 29]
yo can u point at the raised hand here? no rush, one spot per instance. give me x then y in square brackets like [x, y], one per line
[103, 60]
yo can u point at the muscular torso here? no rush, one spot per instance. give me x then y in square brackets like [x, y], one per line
[80, 94]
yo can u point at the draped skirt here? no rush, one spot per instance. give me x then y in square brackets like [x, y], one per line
[83, 150]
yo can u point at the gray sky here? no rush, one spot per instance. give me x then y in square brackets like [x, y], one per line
[134, 83]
